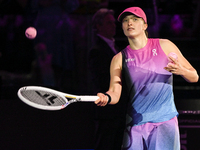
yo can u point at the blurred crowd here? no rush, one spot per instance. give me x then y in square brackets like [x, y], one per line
[57, 57]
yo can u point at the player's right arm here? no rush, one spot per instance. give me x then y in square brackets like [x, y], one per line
[115, 83]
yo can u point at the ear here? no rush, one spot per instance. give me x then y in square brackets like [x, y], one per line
[145, 26]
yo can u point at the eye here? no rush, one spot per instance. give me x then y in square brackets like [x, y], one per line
[124, 20]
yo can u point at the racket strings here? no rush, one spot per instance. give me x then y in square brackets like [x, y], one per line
[43, 98]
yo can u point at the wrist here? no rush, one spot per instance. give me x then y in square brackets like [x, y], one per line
[109, 97]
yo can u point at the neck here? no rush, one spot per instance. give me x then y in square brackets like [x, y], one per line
[138, 43]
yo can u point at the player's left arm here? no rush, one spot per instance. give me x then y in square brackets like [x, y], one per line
[181, 66]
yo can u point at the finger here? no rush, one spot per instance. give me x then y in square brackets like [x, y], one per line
[173, 71]
[100, 102]
[169, 69]
[97, 101]
[170, 64]
[174, 60]
[104, 100]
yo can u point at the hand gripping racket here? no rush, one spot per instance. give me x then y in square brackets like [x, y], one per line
[49, 99]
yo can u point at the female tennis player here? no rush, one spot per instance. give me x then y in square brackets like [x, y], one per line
[151, 113]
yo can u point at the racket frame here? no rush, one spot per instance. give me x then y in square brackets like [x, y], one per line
[64, 96]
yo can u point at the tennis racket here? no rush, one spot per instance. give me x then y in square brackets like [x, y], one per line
[49, 99]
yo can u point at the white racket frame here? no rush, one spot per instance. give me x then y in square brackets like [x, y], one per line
[75, 98]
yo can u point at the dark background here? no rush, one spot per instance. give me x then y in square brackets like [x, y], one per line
[24, 127]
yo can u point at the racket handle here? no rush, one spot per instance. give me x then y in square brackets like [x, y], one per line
[89, 98]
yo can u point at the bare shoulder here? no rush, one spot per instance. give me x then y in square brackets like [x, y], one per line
[117, 60]
[168, 46]
[118, 56]
[165, 42]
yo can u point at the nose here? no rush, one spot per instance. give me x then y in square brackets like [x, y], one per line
[129, 22]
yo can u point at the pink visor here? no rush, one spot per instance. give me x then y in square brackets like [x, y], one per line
[134, 10]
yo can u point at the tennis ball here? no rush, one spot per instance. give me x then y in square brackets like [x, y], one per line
[174, 55]
[31, 32]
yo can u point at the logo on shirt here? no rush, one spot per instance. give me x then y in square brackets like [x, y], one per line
[130, 59]
[154, 52]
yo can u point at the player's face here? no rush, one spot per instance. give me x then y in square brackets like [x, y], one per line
[108, 27]
[133, 26]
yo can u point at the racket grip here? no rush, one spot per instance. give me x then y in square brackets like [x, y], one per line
[89, 98]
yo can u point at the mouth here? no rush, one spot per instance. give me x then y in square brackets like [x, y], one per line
[130, 29]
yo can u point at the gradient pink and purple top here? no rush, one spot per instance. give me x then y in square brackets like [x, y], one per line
[149, 84]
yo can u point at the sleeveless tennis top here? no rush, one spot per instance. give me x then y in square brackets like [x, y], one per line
[149, 85]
